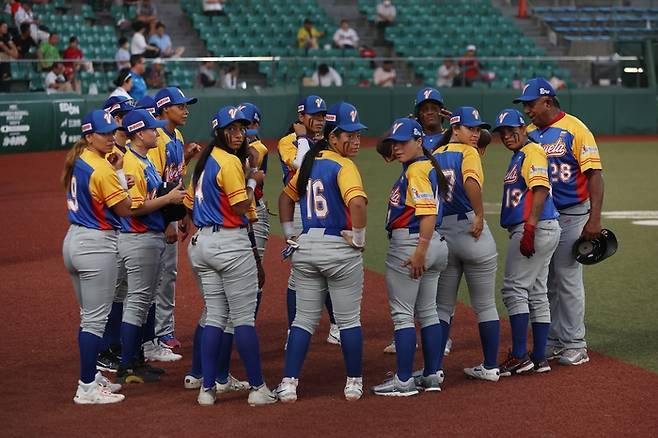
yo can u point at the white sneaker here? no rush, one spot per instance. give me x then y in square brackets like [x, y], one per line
[261, 396]
[353, 388]
[482, 373]
[287, 390]
[93, 394]
[192, 382]
[232, 384]
[207, 396]
[153, 352]
[334, 335]
[574, 356]
[448, 348]
[105, 383]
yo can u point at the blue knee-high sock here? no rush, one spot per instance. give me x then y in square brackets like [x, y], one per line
[89, 344]
[197, 368]
[259, 297]
[490, 338]
[405, 347]
[130, 337]
[351, 342]
[112, 334]
[330, 308]
[445, 334]
[298, 342]
[149, 326]
[291, 302]
[211, 340]
[246, 341]
[224, 362]
[539, 338]
[430, 337]
[519, 324]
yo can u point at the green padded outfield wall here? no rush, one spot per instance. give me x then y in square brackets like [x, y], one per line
[36, 122]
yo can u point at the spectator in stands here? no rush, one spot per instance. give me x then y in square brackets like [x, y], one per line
[207, 74]
[308, 35]
[147, 14]
[124, 83]
[11, 7]
[24, 15]
[25, 42]
[162, 41]
[386, 13]
[138, 44]
[447, 73]
[326, 76]
[55, 81]
[48, 52]
[345, 37]
[469, 67]
[155, 74]
[72, 52]
[122, 57]
[213, 7]
[385, 75]
[8, 51]
[557, 83]
[137, 68]
[230, 79]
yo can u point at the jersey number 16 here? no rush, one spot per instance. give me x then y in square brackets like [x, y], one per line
[315, 200]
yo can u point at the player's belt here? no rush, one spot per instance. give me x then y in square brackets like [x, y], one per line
[216, 228]
[410, 230]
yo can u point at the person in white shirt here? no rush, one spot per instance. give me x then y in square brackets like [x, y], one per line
[447, 73]
[55, 81]
[138, 45]
[345, 37]
[386, 13]
[326, 76]
[124, 83]
[385, 75]
[230, 79]
[24, 15]
[122, 56]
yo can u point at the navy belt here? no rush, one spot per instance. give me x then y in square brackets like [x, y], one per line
[216, 228]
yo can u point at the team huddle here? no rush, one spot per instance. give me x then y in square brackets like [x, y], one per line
[129, 208]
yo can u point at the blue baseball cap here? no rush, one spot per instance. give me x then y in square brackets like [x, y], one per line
[467, 116]
[534, 89]
[117, 105]
[99, 121]
[312, 105]
[428, 93]
[146, 102]
[345, 117]
[171, 96]
[139, 120]
[228, 115]
[509, 117]
[251, 111]
[405, 129]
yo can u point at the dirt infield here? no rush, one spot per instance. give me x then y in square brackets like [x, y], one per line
[40, 359]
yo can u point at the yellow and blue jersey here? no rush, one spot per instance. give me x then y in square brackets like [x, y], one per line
[459, 162]
[571, 151]
[94, 190]
[220, 186]
[287, 148]
[147, 182]
[261, 164]
[415, 194]
[430, 141]
[527, 169]
[169, 155]
[334, 181]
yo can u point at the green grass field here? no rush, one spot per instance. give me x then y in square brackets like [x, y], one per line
[622, 292]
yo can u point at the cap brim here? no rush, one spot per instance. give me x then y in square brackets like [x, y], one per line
[398, 138]
[352, 127]
[506, 126]
[158, 124]
[478, 124]
[440, 102]
[110, 129]
[314, 112]
[243, 120]
[525, 99]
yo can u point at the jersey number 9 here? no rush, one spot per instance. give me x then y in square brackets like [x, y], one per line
[72, 203]
[318, 203]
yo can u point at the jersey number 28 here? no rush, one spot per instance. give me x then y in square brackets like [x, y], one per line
[315, 200]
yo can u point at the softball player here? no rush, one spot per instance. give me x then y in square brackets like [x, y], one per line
[416, 256]
[170, 158]
[292, 149]
[328, 256]
[471, 245]
[148, 103]
[220, 252]
[577, 188]
[96, 197]
[141, 242]
[528, 213]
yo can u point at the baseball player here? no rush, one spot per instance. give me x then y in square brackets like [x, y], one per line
[471, 245]
[148, 103]
[328, 257]
[528, 213]
[292, 148]
[96, 197]
[220, 252]
[416, 256]
[577, 188]
[170, 158]
[141, 241]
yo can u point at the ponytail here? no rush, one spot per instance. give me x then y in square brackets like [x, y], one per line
[69, 162]
[311, 155]
[441, 179]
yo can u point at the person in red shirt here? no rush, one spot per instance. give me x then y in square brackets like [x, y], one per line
[469, 67]
[72, 52]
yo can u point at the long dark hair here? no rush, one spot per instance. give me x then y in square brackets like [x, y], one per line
[447, 135]
[311, 155]
[219, 141]
[441, 178]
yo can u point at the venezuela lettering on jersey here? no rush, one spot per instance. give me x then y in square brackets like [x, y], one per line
[147, 182]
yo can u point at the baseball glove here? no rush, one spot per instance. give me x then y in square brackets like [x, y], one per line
[170, 212]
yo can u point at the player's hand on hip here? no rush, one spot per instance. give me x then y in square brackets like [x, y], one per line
[171, 234]
[416, 264]
[116, 160]
[130, 180]
[477, 226]
[347, 235]
[592, 229]
[527, 245]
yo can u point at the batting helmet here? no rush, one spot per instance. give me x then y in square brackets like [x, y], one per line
[589, 252]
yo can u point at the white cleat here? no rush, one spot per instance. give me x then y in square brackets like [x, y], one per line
[287, 390]
[482, 373]
[192, 382]
[353, 388]
[261, 396]
[93, 394]
[232, 385]
[207, 396]
[153, 352]
[334, 335]
[105, 383]
[448, 348]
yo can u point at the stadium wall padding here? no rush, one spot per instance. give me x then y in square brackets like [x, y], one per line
[35, 122]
